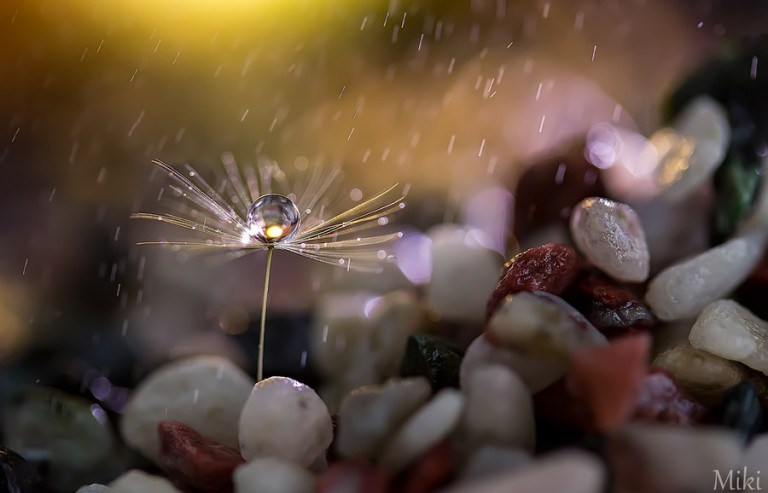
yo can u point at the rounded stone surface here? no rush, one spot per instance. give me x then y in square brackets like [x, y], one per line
[271, 475]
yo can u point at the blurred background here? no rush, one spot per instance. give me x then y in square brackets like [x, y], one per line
[452, 98]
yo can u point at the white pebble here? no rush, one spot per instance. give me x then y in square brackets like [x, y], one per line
[286, 419]
[692, 152]
[674, 458]
[683, 290]
[394, 317]
[464, 274]
[270, 475]
[610, 235]
[204, 392]
[537, 373]
[568, 471]
[542, 324]
[94, 488]
[427, 427]
[499, 409]
[370, 414]
[729, 330]
[135, 481]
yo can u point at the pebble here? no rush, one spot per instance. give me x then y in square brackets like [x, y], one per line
[741, 410]
[464, 274]
[610, 235]
[205, 392]
[551, 268]
[433, 358]
[271, 475]
[17, 475]
[286, 419]
[135, 481]
[611, 308]
[608, 379]
[394, 317]
[491, 460]
[427, 427]
[737, 183]
[94, 488]
[369, 415]
[730, 331]
[434, 469]
[700, 374]
[661, 400]
[71, 435]
[694, 150]
[541, 324]
[756, 454]
[353, 477]
[498, 411]
[675, 459]
[194, 461]
[683, 290]
[568, 471]
[537, 373]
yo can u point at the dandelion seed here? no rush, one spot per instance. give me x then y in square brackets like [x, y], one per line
[246, 214]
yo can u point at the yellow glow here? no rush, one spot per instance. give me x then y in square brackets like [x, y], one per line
[274, 232]
[675, 151]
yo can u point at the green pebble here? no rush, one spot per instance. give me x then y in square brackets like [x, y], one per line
[433, 358]
[736, 184]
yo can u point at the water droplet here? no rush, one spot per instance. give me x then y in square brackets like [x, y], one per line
[273, 218]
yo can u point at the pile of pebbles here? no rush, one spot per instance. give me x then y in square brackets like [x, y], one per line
[609, 359]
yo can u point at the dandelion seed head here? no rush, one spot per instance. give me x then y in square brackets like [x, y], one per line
[273, 218]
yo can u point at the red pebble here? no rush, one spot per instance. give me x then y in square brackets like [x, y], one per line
[195, 462]
[608, 379]
[353, 476]
[550, 268]
[661, 400]
[612, 309]
[433, 470]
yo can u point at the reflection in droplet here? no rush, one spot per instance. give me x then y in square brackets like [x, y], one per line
[273, 218]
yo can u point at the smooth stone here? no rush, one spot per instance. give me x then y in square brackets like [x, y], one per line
[369, 415]
[491, 460]
[674, 458]
[464, 274]
[610, 235]
[758, 219]
[194, 461]
[94, 488]
[568, 471]
[433, 358]
[428, 426]
[71, 435]
[17, 475]
[692, 153]
[730, 331]
[204, 392]
[354, 477]
[433, 469]
[543, 325]
[737, 184]
[684, 289]
[394, 317]
[700, 374]
[271, 475]
[135, 481]
[285, 419]
[741, 410]
[499, 409]
[537, 373]
[660, 400]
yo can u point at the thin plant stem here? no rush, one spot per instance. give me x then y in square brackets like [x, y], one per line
[262, 328]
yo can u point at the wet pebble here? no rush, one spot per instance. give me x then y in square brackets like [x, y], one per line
[683, 290]
[729, 330]
[285, 419]
[433, 358]
[700, 374]
[499, 409]
[541, 324]
[427, 427]
[135, 481]
[195, 461]
[610, 235]
[536, 372]
[550, 268]
[369, 415]
[563, 472]
[675, 459]
[17, 475]
[271, 475]
[192, 391]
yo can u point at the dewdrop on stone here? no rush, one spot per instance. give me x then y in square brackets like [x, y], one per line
[273, 218]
